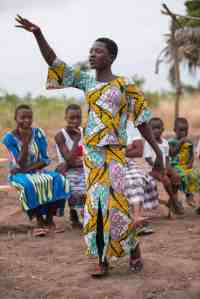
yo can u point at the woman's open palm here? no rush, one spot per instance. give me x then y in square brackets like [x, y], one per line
[25, 24]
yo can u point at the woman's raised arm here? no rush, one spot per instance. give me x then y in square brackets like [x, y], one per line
[47, 52]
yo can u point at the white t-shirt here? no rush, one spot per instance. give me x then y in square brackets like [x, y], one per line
[132, 133]
[149, 152]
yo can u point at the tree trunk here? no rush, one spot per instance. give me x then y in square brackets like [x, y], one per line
[177, 73]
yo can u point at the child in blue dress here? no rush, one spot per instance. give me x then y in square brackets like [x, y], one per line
[42, 193]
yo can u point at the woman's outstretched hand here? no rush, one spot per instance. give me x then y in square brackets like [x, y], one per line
[26, 24]
[47, 52]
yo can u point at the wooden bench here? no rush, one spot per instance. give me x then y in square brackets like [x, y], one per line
[7, 187]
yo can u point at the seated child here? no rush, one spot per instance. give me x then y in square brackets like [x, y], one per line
[70, 152]
[141, 188]
[42, 193]
[181, 159]
[169, 178]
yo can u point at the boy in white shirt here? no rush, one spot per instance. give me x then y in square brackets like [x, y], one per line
[169, 178]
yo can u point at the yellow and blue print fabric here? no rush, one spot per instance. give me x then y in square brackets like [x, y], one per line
[108, 103]
[108, 226]
[38, 189]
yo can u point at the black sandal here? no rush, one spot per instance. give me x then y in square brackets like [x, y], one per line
[101, 270]
[135, 260]
[135, 265]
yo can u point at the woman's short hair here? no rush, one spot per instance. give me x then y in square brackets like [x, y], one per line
[110, 45]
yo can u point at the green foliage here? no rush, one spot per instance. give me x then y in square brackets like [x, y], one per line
[193, 10]
[139, 81]
[45, 109]
[49, 112]
[154, 97]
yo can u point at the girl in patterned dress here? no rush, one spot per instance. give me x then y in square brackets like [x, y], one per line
[108, 224]
[70, 154]
[181, 159]
[42, 193]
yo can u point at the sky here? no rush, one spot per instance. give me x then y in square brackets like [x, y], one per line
[71, 26]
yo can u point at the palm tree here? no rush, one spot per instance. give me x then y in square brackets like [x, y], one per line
[183, 46]
[185, 37]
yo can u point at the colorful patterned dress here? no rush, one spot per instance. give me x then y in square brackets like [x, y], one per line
[38, 189]
[190, 177]
[107, 221]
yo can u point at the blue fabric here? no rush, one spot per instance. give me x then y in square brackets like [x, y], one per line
[37, 148]
[40, 188]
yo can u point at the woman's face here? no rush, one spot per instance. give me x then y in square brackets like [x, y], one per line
[73, 118]
[24, 118]
[99, 56]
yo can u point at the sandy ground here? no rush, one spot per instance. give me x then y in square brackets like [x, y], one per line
[55, 267]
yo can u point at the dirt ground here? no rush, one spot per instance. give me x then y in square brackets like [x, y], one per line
[55, 267]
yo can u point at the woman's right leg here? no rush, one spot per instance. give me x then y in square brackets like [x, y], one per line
[103, 266]
[108, 225]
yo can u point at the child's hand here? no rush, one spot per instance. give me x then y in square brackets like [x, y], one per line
[77, 135]
[25, 136]
[173, 175]
[183, 140]
[78, 163]
[159, 165]
[156, 174]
